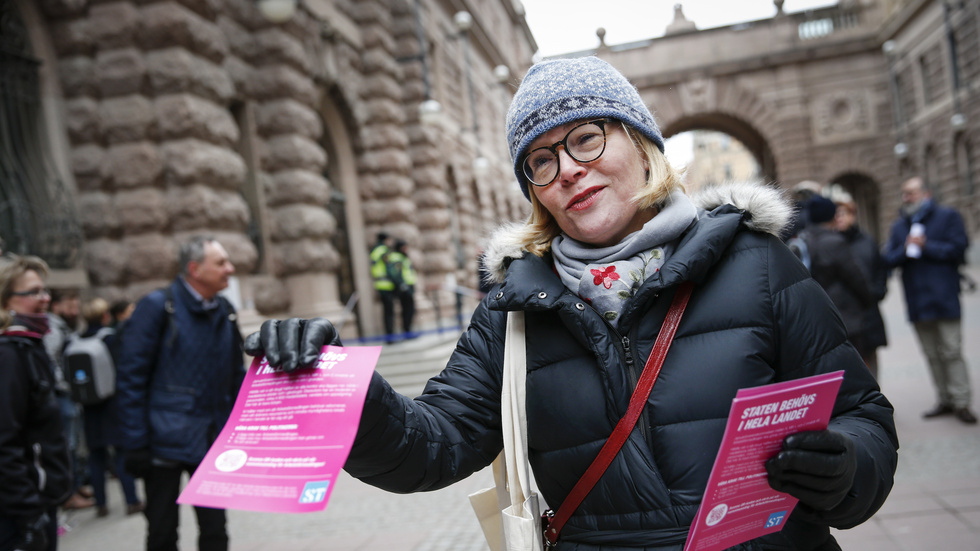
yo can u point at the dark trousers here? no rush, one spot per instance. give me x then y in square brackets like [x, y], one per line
[407, 300]
[388, 306]
[162, 487]
[98, 463]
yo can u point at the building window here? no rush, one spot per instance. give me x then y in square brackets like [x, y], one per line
[932, 75]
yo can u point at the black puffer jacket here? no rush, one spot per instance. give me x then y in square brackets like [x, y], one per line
[836, 269]
[755, 318]
[34, 472]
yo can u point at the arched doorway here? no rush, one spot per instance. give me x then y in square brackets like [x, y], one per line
[354, 286]
[727, 135]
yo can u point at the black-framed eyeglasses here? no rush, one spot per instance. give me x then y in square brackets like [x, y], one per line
[33, 293]
[584, 143]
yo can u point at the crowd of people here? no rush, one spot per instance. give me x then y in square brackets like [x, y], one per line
[927, 244]
[612, 239]
[176, 365]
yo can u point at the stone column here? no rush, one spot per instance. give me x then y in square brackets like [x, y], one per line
[434, 258]
[274, 69]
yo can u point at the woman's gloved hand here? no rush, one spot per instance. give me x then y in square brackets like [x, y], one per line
[816, 467]
[292, 343]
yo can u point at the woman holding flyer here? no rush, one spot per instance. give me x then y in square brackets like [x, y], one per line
[611, 240]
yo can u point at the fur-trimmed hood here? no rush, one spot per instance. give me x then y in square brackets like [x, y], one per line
[767, 208]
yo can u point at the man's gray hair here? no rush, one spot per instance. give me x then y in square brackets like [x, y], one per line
[193, 251]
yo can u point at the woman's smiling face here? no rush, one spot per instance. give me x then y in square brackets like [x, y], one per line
[593, 202]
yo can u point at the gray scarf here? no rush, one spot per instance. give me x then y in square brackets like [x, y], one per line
[608, 277]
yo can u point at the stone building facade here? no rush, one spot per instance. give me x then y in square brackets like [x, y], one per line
[131, 124]
[293, 142]
[862, 94]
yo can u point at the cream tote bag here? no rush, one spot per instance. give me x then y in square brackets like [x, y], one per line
[510, 512]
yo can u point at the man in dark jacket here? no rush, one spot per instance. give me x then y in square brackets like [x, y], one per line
[179, 372]
[928, 242]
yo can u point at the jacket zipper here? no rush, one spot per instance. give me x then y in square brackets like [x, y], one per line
[633, 375]
[633, 372]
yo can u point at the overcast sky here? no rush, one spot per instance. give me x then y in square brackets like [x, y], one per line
[563, 26]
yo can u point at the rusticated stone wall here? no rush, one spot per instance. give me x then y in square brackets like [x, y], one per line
[153, 142]
[201, 116]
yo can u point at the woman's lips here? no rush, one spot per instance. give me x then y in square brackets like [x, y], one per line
[584, 200]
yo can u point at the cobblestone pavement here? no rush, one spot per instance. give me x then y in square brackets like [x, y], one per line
[935, 503]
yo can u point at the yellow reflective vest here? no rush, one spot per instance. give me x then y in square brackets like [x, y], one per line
[379, 268]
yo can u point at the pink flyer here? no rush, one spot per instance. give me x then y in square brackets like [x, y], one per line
[738, 503]
[288, 436]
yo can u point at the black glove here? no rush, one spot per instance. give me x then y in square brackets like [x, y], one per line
[292, 343]
[138, 462]
[33, 535]
[815, 467]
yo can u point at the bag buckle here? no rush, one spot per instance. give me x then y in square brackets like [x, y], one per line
[546, 518]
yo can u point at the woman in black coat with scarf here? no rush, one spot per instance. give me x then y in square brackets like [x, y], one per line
[34, 473]
[611, 237]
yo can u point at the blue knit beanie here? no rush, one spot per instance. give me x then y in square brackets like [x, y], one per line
[560, 91]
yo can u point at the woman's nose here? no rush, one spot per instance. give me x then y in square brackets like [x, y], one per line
[568, 168]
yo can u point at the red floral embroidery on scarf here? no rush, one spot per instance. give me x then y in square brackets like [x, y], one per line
[605, 277]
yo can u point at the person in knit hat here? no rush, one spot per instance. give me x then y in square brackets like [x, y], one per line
[612, 244]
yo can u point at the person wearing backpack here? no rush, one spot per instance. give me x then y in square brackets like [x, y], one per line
[101, 420]
[180, 367]
[35, 476]
[63, 317]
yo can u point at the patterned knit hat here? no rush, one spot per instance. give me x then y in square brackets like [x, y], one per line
[559, 91]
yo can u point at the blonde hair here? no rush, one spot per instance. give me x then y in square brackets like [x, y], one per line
[662, 180]
[10, 272]
[94, 311]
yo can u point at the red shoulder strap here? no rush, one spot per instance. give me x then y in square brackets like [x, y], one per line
[625, 426]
